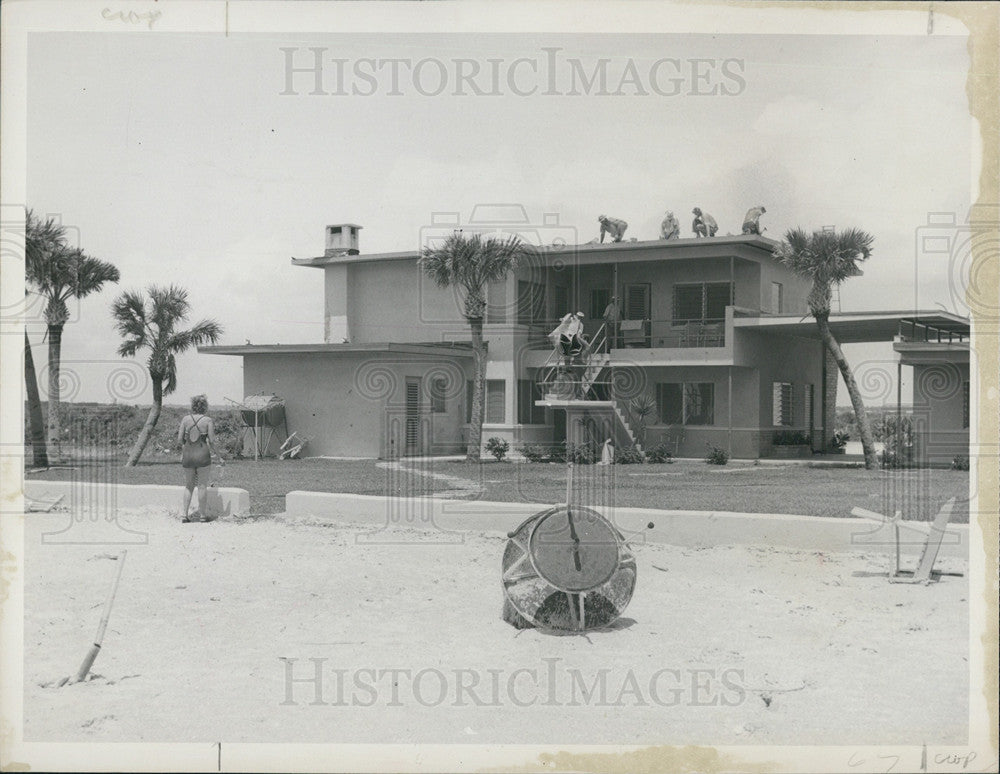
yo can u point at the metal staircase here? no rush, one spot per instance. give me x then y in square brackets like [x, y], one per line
[596, 359]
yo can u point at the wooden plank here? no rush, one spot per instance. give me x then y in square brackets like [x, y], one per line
[933, 544]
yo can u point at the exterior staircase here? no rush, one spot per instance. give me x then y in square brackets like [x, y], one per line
[597, 361]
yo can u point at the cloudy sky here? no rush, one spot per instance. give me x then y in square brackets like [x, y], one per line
[179, 159]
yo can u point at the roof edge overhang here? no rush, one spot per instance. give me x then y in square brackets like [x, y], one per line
[610, 250]
[458, 349]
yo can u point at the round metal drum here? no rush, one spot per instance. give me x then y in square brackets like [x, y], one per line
[568, 568]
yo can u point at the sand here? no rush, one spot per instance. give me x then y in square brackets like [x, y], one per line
[728, 645]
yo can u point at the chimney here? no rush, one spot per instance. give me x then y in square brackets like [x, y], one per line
[342, 239]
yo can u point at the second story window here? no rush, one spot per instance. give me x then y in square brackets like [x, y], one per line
[701, 302]
[777, 298]
[599, 300]
[530, 302]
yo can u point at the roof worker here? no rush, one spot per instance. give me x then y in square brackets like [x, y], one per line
[613, 226]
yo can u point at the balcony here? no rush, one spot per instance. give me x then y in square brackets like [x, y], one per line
[646, 334]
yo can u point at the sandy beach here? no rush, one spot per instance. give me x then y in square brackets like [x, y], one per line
[300, 630]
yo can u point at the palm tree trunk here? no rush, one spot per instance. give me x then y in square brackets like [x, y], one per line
[864, 426]
[54, 423]
[478, 388]
[147, 429]
[39, 455]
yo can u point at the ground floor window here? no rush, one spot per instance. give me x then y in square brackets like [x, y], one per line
[686, 403]
[527, 412]
[809, 417]
[439, 387]
[495, 399]
[781, 409]
[965, 405]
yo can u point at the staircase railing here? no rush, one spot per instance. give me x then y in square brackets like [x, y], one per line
[596, 346]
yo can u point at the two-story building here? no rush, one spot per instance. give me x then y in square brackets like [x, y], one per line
[714, 331]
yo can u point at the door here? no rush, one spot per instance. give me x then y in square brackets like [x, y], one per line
[412, 439]
[636, 308]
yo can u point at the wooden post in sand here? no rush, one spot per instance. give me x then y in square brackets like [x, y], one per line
[88, 660]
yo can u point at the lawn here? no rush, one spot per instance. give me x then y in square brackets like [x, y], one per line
[684, 485]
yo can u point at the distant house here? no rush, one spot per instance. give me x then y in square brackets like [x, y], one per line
[714, 330]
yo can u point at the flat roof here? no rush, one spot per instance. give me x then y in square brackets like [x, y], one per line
[856, 327]
[450, 349]
[590, 249]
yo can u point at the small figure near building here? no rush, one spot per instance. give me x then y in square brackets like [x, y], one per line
[612, 316]
[751, 221]
[613, 226]
[703, 225]
[670, 228]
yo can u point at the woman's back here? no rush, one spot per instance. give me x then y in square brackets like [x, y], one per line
[196, 428]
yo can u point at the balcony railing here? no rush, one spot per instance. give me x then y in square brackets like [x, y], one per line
[644, 334]
[911, 330]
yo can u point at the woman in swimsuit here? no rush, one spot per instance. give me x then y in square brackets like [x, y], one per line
[196, 435]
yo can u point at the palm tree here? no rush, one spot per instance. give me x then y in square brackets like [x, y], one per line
[828, 258]
[59, 272]
[469, 264]
[151, 323]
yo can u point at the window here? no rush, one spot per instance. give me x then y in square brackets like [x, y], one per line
[530, 302]
[777, 298]
[687, 303]
[965, 405]
[781, 409]
[599, 300]
[809, 418]
[561, 300]
[689, 403]
[496, 302]
[527, 412]
[699, 404]
[495, 397]
[718, 295]
[439, 387]
[701, 302]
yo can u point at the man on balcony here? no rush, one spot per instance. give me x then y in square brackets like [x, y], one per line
[612, 316]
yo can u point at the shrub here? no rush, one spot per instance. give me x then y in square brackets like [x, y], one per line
[898, 439]
[498, 447]
[791, 438]
[534, 453]
[581, 453]
[717, 456]
[960, 462]
[660, 454]
[557, 453]
[629, 456]
[839, 440]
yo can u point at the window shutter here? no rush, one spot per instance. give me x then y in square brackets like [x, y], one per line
[495, 399]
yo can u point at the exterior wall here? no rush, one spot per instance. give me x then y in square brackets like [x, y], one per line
[795, 289]
[938, 398]
[695, 440]
[784, 359]
[336, 328]
[345, 403]
[394, 301]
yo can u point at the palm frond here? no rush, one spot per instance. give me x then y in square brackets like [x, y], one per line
[205, 332]
[470, 262]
